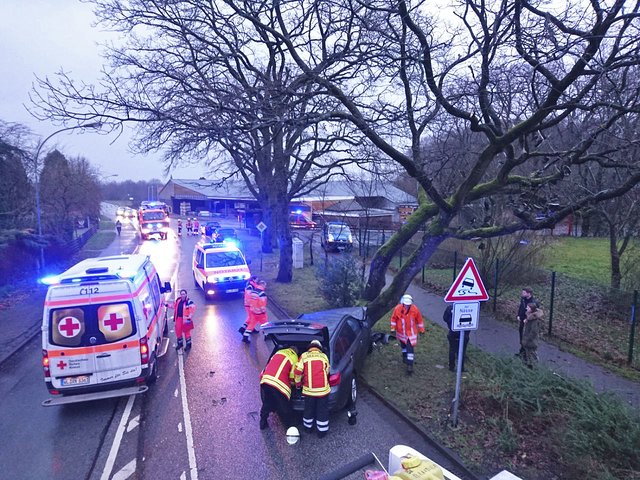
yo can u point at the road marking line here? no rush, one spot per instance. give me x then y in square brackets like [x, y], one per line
[135, 421]
[117, 439]
[126, 471]
[183, 476]
[180, 427]
[187, 421]
[175, 394]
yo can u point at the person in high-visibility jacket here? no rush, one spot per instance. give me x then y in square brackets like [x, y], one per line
[183, 309]
[312, 375]
[252, 284]
[257, 310]
[406, 321]
[275, 386]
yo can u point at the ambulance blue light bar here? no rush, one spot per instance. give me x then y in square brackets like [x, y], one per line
[50, 280]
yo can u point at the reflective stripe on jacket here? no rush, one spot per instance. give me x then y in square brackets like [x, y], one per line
[188, 309]
[312, 373]
[258, 302]
[279, 372]
[407, 324]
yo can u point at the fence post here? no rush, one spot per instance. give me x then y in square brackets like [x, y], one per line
[400, 257]
[633, 325]
[553, 295]
[496, 275]
[423, 275]
[455, 264]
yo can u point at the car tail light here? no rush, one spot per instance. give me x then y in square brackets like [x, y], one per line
[45, 363]
[334, 379]
[144, 350]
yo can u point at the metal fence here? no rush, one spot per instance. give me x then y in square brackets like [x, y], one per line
[586, 315]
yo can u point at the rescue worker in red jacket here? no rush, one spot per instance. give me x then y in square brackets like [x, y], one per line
[252, 284]
[179, 227]
[189, 226]
[406, 321]
[275, 386]
[196, 227]
[257, 310]
[312, 374]
[183, 309]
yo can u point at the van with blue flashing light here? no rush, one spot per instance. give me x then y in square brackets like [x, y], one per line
[104, 328]
[219, 268]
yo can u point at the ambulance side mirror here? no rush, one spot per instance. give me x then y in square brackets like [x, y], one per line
[165, 288]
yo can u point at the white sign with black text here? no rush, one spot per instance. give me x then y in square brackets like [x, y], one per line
[465, 316]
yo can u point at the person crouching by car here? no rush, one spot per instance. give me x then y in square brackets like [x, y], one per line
[183, 309]
[275, 386]
[406, 321]
[312, 375]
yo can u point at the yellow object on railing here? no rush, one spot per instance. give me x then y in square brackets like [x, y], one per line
[416, 468]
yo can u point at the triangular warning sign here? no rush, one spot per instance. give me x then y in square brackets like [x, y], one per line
[467, 286]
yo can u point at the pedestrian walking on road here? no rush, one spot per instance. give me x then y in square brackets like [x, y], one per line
[183, 310]
[526, 297]
[275, 386]
[530, 333]
[257, 310]
[118, 226]
[252, 284]
[453, 337]
[406, 321]
[312, 375]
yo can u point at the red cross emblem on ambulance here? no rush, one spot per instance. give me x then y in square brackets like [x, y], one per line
[113, 322]
[69, 327]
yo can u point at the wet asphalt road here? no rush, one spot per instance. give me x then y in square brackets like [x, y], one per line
[216, 437]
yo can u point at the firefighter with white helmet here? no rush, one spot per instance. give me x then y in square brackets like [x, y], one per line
[406, 321]
[312, 375]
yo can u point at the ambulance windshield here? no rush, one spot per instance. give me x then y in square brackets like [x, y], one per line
[224, 259]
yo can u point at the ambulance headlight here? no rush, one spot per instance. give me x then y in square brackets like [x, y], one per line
[230, 241]
[330, 238]
[212, 279]
[145, 230]
[158, 225]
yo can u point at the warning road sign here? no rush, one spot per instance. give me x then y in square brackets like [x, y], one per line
[468, 286]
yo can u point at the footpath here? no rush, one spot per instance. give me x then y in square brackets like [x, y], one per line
[21, 317]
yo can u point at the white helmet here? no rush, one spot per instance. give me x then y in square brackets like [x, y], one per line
[293, 435]
[406, 299]
[315, 343]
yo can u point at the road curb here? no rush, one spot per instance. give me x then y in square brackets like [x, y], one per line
[25, 338]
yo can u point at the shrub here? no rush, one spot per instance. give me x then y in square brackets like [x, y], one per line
[340, 284]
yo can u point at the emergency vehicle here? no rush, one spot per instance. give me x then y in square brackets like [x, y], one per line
[153, 222]
[219, 268]
[104, 327]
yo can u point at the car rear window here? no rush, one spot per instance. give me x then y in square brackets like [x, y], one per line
[91, 325]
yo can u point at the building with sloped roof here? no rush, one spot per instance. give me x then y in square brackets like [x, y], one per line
[345, 200]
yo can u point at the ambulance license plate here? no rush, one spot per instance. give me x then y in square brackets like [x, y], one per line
[233, 290]
[79, 380]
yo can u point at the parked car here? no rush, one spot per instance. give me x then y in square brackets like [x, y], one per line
[336, 236]
[346, 339]
[204, 213]
[228, 234]
[120, 212]
[297, 220]
[209, 228]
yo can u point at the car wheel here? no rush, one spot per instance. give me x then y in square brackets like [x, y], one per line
[153, 376]
[354, 391]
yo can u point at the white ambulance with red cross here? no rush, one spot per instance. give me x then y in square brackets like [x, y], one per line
[219, 268]
[104, 327]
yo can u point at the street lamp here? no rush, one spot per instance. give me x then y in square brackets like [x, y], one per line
[37, 178]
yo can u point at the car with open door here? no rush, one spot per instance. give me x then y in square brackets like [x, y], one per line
[346, 339]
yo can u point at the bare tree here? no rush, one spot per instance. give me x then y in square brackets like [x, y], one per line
[507, 74]
[203, 85]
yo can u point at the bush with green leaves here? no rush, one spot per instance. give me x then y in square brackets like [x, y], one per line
[340, 283]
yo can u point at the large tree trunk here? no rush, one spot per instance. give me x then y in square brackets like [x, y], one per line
[385, 300]
[285, 268]
[616, 276]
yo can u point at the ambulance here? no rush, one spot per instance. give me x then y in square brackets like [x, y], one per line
[104, 327]
[219, 268]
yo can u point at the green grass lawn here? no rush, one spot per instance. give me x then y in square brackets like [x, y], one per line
[582, 258]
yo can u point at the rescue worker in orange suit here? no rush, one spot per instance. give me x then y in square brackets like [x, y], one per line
[252, 284]
[406, 321]
[196, 227]
[257, 310]
[312, 374]
[183, 309]
[179, 228]
[189, 226]
[275, 386]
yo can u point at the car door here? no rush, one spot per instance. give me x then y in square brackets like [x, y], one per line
[344, 357]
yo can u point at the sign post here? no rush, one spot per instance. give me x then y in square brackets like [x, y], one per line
[261, 228]
[466, 293]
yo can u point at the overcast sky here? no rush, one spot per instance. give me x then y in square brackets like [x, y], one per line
[40, 37]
